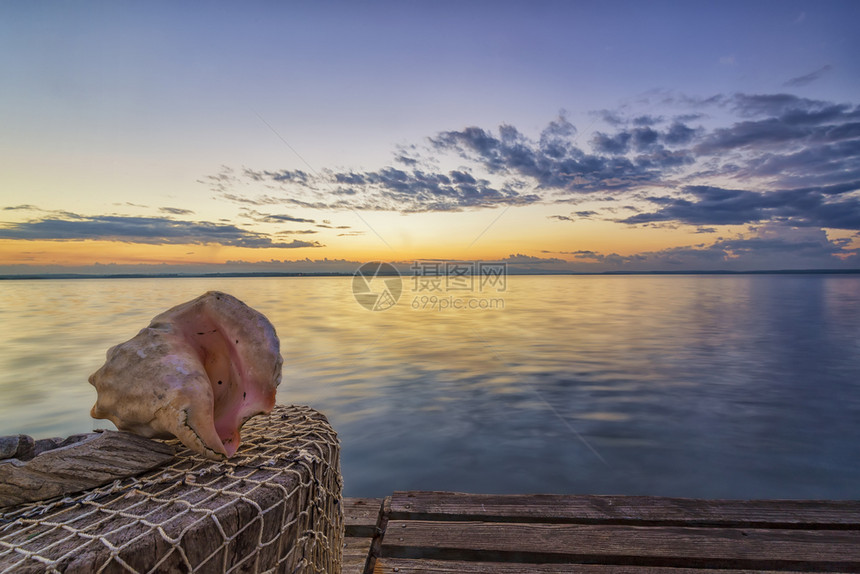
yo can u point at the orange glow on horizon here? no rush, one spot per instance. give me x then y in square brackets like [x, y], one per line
[547, 240]
[94, 252]
[91, 252]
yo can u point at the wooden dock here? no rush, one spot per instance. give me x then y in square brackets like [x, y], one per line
[444, 532]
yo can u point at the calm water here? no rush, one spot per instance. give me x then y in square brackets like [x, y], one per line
[706, 386]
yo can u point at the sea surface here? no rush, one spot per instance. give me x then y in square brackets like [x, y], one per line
[702, 386]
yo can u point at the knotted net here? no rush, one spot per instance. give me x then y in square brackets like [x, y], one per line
[274, 507]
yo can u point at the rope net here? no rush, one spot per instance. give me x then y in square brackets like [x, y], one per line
[274, 507]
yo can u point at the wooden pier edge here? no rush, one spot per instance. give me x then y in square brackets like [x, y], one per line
[445, 532]
[365, 520]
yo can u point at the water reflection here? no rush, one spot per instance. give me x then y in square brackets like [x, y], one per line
[680, 385]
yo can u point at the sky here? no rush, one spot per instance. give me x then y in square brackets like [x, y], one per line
[312, 137]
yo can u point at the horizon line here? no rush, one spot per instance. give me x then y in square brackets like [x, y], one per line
[179, 275]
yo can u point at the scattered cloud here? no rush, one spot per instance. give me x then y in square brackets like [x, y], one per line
[625, 160]
[797, 160]
[296, 232]
[574, 215]
[387, 189]
[307, 265]
[730, 159]
[807, 79]
[710, 205]
[605, 258]
[273, 217]
[772, 246]
[147, 230]
[175, 211]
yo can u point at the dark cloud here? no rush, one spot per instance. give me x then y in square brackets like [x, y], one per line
[826, 165]
[791, 110]
[659, 159]
[613, 259]
[408, 155]
[294, 244]
[175, 211]
[679, 134]
[25, 207]
[647, 120]
[387, 189]
[275, 217]
[350, 178]
[769, 132]
[794, 153]
[616, 144]
[710, 205]
[554, 162]
[148, 230]
[580, 214]
[790, 121]
[236, 198]
[771, 246]
[642, 139]
[767, 104]
[406, 160]
[556, 136]
[305, 265]
[295, 176]
[519, 258]
[792, 159]
[807, 79]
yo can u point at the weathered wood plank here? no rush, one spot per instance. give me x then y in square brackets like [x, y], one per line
[99, 459]
[381, 529]
[632, 510]
[361, 520]
[355, 552]
[360, 515]
[404, 566]
[759, 549]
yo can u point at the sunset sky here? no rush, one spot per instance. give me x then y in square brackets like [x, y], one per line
[555, 136]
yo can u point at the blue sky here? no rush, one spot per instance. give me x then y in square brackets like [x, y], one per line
[569, 135]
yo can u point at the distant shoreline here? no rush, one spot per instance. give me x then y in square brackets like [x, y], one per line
[340, 274]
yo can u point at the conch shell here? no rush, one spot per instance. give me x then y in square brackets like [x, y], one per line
[197, 373]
